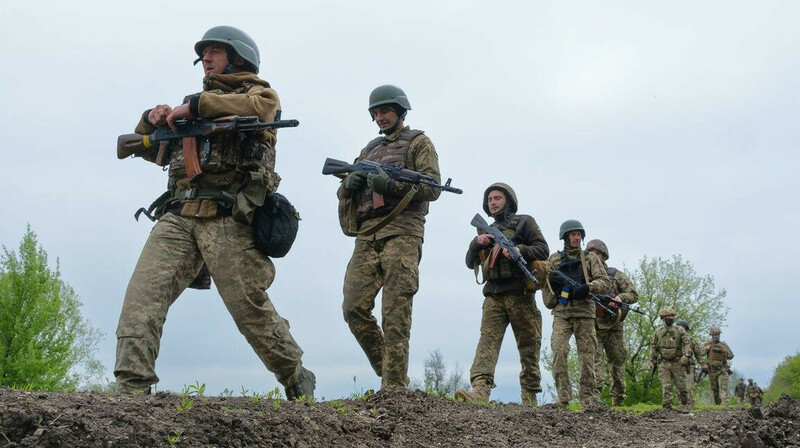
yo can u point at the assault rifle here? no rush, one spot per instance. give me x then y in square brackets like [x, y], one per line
[136, 144]
[650, 379]
[504, 243]
[340, 168]
[626, 306]
[572, 284]
[700, 375]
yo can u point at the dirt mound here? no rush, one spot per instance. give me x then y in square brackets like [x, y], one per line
[395, 417]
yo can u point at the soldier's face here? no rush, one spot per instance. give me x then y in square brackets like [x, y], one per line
[496, 201]
[574, 238]
[215, 59]
[385, 117]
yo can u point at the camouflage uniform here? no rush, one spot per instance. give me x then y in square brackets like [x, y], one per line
[388, 259]
[508, 300]
[739, 391]
[671, 344]
[754, 393]
[575, 317]
[717, 354]
[610, 338]
[695, 357]
[205, 226]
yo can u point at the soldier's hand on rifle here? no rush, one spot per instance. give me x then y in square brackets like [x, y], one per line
[580, 292]
[158, 115]
[484, 239]
[379, 183]
[555, 281]
[355, 181]
[179, 112]
[614, 303]
[507, 254]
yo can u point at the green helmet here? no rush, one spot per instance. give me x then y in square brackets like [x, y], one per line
[683, 324]
[714, 331]
[599, 246]
[388, 94]
[511, 197]
[667, 312]
[239, 41]
[570, 225]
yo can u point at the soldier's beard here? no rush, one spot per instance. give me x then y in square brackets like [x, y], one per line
[669, 322]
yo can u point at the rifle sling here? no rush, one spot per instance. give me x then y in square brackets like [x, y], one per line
[386, 220]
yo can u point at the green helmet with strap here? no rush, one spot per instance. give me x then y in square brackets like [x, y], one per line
[511, 197]
[237, 40]
[388, 94]
[714, 331]
[570, 225]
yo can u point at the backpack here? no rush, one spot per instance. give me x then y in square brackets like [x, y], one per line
[275, 225]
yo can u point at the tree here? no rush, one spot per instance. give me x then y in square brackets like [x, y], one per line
[437, 380]
[667, 284]
[45, 343]
[785, 380]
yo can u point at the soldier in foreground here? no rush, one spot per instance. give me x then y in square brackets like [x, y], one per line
[717, 354]
[206, 223]
[670, 351]
[754, 393]
[610, 337]
[509, 299]
[387, 248]
[695, 357]
[739, 391]
[574, 311]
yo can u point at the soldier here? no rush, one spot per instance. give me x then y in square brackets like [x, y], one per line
[574, 311]
[609, 329]
[739, 391]
[508, 297]
[717, 354]
[754, 393]
[387, 249]
[205, 225]
[671, 351]
[695, 357]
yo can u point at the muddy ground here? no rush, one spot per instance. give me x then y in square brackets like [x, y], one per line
[394, 418]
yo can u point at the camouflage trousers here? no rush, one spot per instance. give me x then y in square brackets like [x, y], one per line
[670, 372]
[612, 343]
[499, 311]
[391, 264]
[718, 381]
[586, 342]
[171, 258]
[689, 386]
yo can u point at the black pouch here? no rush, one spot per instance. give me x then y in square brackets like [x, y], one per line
[275, 225]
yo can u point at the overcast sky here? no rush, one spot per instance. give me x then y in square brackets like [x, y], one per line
[665, 127]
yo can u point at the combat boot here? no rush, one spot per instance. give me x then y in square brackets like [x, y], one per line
[304, 386]
[529, 398]
[479, 393]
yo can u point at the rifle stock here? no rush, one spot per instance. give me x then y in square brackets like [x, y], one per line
[503, 242]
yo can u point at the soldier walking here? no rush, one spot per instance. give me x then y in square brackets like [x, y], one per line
[739, 391]
[695, 357]
[754, 393]
[670, 351]
[508, 299]
[610, 337]
[717, 355]
[387, 250]
[574, 311]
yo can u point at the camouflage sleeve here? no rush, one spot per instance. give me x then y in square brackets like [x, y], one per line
[425, 161]
[598, 278]
[260, 101]
[625, 288]
[341, 193]
[730, 352]
[686, 343]
[654, 347]
[473, 253]
[547, 292]
[534, 246]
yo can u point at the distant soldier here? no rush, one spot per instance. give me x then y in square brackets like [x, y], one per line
[671, 351]
[754, 393]
[717, 355]
[695, 357]
[739, 391]
[610, 338]
[574, 311]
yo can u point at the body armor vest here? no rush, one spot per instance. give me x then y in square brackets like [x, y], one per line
[388, 153]
[670, 343]
[571, 268]
[495, 265]
[717, 354]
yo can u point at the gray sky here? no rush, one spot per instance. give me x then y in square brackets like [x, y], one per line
[665, 127]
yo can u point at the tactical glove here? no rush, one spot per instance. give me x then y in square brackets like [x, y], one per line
[580, 292]
[684, 361]
[555, 281]
[380, 183]
[355, 181]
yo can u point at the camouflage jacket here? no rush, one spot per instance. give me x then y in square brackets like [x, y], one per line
[739, 390]
[421, 157]
[622, 287]
[717, 355]
[669, 344]
[598, 284]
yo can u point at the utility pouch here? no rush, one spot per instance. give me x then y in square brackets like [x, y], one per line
[275, 226]
[249, 197]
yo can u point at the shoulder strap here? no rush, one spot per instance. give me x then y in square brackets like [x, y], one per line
[386, 219]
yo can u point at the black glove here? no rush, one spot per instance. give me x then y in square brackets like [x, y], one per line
[355, 181]
[555, 281]
[580, 292]
[704, 370]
